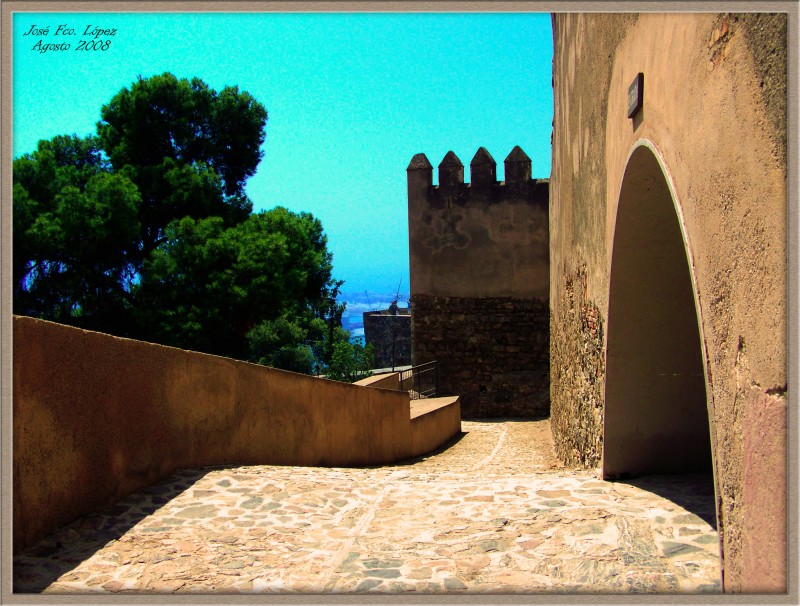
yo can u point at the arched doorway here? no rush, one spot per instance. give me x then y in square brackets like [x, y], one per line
[656, 416]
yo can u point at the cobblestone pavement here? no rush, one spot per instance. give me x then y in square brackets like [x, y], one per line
[493, 513]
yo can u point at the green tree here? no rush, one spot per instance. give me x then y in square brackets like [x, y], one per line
[145, 230]
[88, 212]
[207, 286]
[283, 343]
[75, 230]
[188, 148]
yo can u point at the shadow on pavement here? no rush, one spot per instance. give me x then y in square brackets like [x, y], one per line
[447, 445]
[60, 552]
[692, 491]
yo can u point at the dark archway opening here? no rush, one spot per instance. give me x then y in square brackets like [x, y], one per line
[656, 418]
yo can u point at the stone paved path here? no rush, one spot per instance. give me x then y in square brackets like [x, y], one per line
[493, 513]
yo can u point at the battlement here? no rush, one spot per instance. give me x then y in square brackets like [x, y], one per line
[484, 187]
[462, 236]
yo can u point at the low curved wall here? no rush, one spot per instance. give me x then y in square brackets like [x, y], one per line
[431, 419]
[97, 417]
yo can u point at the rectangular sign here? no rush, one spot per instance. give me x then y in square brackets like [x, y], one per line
[635, 94]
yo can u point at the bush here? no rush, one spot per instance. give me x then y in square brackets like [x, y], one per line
[351, 362]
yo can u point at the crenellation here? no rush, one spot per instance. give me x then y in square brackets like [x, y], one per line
[420, 162]
[518, 167]
[483, 170]
[484, 188]
[451, 173]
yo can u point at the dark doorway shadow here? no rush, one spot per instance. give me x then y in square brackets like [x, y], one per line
[37, 567]
[656, 418]
[692, 491]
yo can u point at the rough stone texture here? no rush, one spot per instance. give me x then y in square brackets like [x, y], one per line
[765, 34]
[491, 351]
[578, 257]
[576, 376]
[712, 116]
[390, 336]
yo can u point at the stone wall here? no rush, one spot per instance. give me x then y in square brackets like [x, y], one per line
[713, 120]
[492, 351]
[577, 349]
[480, 239]
[390, 336]
[480, 281]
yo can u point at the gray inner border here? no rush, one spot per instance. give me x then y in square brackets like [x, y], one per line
[8, 7]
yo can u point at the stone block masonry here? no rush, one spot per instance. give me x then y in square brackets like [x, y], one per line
[389, 333]
[492, 351]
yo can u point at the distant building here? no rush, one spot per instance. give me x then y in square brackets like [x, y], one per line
[389, 333]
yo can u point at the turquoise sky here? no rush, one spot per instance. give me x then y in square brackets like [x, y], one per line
[351, 98]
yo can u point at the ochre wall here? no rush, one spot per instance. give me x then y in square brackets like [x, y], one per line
[714, 115]
[97, 417]
[433, 418]
[389, 380]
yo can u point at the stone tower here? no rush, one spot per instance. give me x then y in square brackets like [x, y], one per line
[480, 282]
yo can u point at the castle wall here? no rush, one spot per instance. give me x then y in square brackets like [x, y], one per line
[492, 351]
[714, 116]
[478, 256]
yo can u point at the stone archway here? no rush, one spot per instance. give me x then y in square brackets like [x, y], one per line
[656, 415]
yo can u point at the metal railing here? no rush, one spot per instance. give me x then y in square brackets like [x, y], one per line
[420, 381]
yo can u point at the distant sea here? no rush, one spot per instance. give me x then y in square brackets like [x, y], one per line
[358, 303]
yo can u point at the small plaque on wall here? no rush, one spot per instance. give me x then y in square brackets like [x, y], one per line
[635, 95]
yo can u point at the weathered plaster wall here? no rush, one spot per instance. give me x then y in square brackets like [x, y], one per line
[713, 115]
[97, 417]
[482, 239]
[479, 282]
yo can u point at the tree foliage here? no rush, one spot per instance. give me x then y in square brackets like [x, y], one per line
[75, 229]
[350, 362]
[188, 148]
[145, 230]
